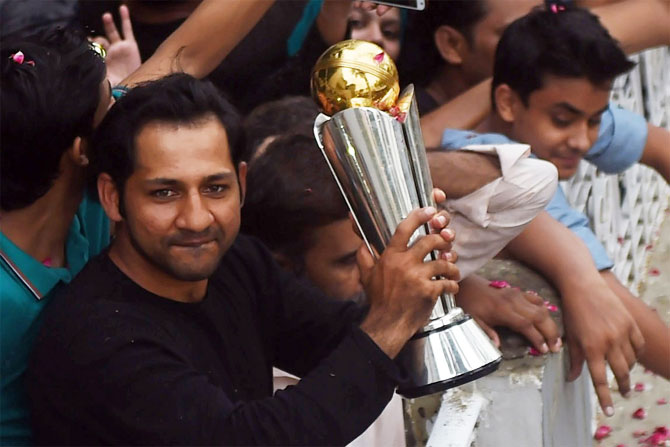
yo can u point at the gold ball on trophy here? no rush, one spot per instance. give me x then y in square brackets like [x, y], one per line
[354, 73]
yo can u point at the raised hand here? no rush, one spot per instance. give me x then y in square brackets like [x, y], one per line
[400, 285]
[123, 55]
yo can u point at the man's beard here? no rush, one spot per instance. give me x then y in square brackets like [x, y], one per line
[181, 271]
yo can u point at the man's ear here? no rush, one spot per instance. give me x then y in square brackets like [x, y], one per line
[507, 102]
[451, 44]
[109, 197]
[242, 180]
[77, 152]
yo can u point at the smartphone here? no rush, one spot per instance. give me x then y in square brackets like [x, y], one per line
[409, 4]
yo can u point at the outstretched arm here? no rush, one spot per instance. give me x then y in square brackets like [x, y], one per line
[203, 40]
[598, 327]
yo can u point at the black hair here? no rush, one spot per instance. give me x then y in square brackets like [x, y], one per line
[291, 185]
[45, 103]
[278, 117]
[177, 98]
[570, 42]
[420, 57]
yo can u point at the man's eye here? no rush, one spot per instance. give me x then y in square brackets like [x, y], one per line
[355, 24]
[163, 193]
[216, 189]
[391, 33]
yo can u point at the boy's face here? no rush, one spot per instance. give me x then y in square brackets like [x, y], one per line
[330, 261]
[561, 121]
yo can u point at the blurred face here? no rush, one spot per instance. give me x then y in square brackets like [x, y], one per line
[478, 60]
[385, 31]
[182, 203]
[561, 121]
[330, 262]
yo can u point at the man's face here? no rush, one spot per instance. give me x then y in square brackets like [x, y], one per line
[330, 262]
[385, 31]
[478, 59]
[561, 121]
[182, 202]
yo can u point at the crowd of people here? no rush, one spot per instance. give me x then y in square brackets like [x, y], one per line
[177, 263]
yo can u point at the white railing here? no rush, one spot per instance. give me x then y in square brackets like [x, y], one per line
[627, 209]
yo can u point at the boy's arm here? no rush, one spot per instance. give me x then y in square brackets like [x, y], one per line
[598, 328]
[656, 152]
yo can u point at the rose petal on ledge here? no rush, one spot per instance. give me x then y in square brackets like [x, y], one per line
[654, 272]
[639, 386]
[499, 284]
[550, 307]
[658, 438]
[662, 401]
[639, 433]
[640, 413]
[534, 352]
[602, 432]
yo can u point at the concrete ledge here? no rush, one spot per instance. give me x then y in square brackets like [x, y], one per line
[526, 403]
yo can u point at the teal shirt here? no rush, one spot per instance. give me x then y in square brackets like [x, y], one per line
[25, 286]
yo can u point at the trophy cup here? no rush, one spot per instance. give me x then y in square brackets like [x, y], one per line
[371, 138]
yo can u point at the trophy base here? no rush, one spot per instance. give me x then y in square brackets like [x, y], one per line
[455, 352]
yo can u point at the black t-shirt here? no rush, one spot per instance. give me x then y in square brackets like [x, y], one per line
[115, 364]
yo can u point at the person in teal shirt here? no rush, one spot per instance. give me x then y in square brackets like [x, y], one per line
[55, 92]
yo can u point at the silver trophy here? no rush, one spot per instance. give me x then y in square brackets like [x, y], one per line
[379, 162]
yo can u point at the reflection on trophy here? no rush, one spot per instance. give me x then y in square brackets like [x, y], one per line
[372, 141]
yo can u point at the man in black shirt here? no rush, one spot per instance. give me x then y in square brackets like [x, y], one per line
[169, 337]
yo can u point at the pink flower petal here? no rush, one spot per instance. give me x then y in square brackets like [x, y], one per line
[619, 240]
[639, 433]
[662, 401]
[658, 438]
[654, 272]
[621, 445]
[649, 246]
[499, 284]
[401, 117]
[640, 413]
[602, 432]
[18, 57]
[551, 307]
[534, 352]
[379, 57]
[639, 386]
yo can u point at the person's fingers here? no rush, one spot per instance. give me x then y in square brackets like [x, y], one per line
[546, 327]
[619, 366]
[490, 332]
[629, 354]
[426, 244]
[101, 41]
[599, 377]
[408, 226]
[110, 28]
[534, 298]
[126, 24]
[637, 340]
[447, 286]
[439, 222]
[442, 268]
[383, 9]
[576, 360]
[451, 256]
[439, 196]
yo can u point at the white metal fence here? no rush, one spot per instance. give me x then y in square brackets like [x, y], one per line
[627, 209]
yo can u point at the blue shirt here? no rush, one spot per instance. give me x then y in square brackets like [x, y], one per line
[25, 286]
[621, 139]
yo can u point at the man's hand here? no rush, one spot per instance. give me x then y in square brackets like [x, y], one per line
[400, 285]
[520, 311]
[123, 55]
[600, 330]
